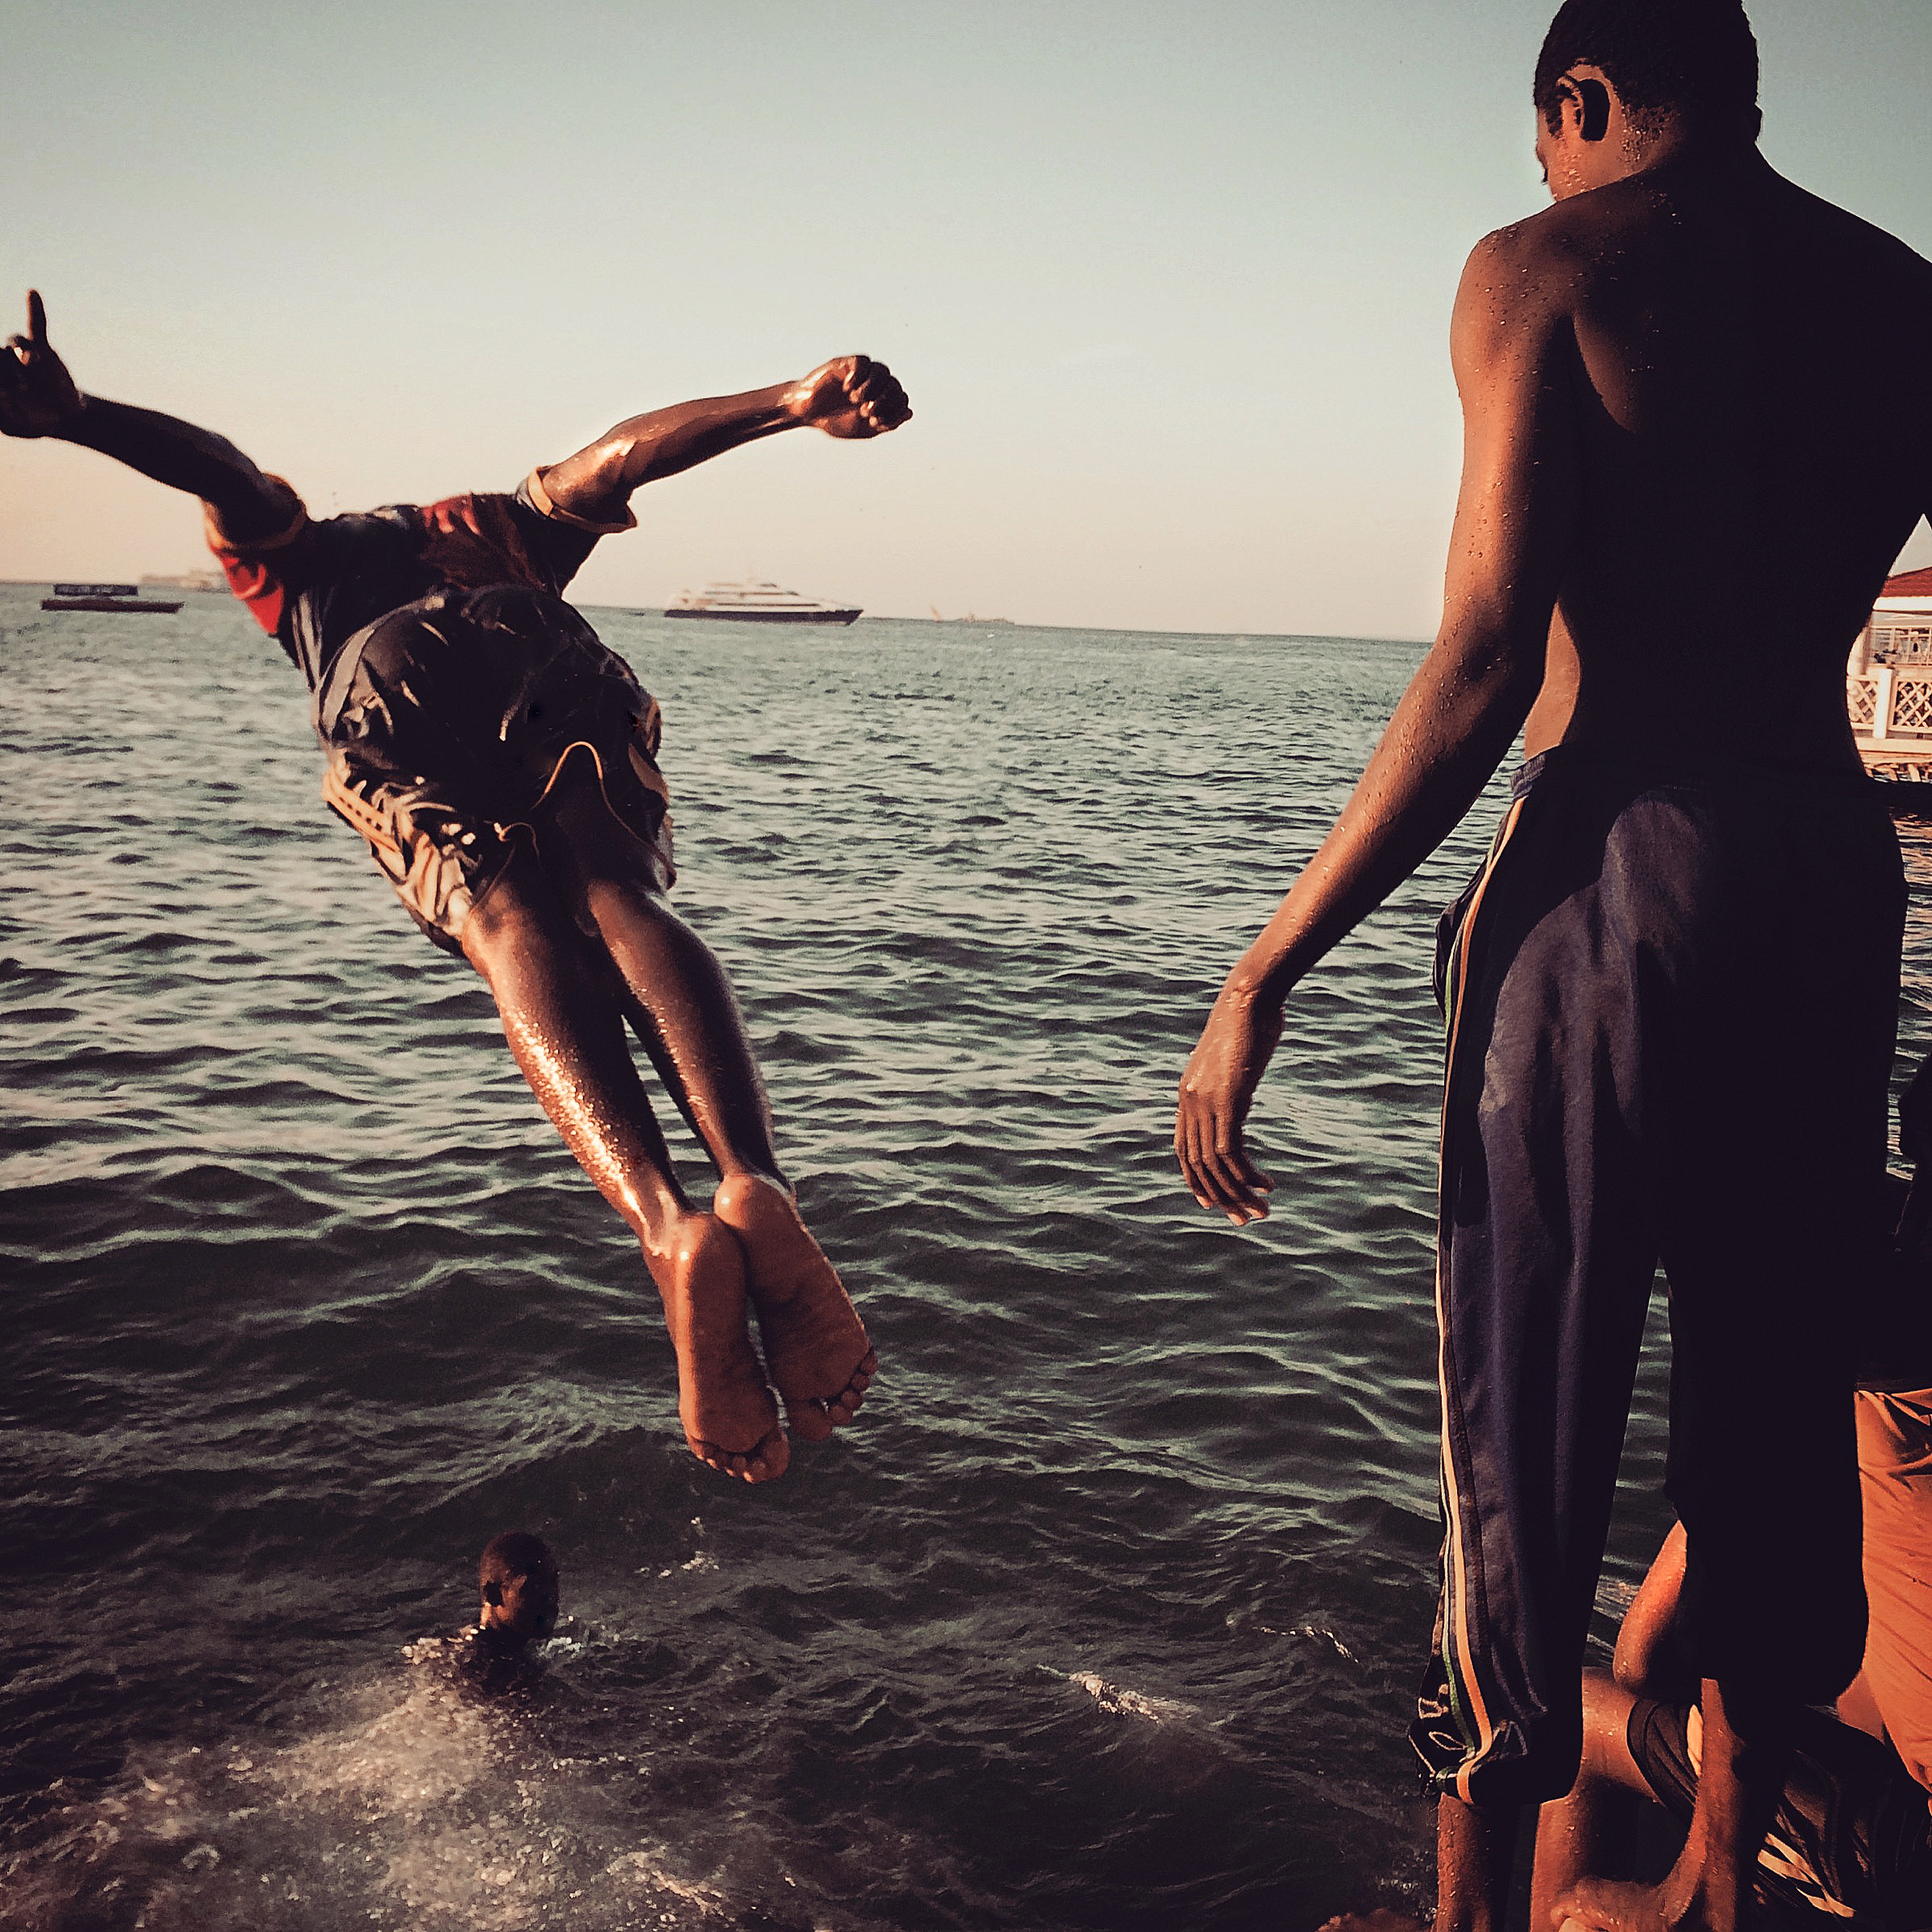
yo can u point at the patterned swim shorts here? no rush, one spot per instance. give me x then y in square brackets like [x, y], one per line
[446, 722]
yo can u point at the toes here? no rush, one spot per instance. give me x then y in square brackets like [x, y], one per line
[815, 1417]
[766, 1459]
[845, 1404]
[770, 1458]
[810, 1421]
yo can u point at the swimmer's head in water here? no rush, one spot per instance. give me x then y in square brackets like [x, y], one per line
[518, 1577]
[1697, 57]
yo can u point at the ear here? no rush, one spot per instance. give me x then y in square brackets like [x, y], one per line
[1595, 99]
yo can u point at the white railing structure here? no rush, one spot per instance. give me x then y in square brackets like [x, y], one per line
[1891, 709]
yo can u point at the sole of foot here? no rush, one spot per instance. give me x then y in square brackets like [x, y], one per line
[730, 1419]
[815, 1346]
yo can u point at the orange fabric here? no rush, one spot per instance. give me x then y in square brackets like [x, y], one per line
[259, 585]
[540, 496]
[1895, 1474]
[225, 546]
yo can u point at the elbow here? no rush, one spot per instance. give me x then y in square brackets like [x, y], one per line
[1496, 649]
[249, 508]
[1492, 681]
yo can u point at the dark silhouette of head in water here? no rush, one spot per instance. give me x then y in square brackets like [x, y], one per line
[1698, 58]
[518, 1578]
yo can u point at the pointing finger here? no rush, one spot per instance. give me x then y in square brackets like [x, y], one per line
[36, 320]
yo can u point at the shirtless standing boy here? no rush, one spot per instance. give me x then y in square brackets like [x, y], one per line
[502, 765]
[1698, 416]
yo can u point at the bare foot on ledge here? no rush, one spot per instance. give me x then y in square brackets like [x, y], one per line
[1383, 1919]
[1600, 1905]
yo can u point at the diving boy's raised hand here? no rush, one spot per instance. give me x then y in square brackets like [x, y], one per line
[37, 396]
[851, 396]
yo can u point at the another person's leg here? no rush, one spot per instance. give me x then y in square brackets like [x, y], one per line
[682, 1007]
[1730, 1808]
[567, 1033]
[1844, 1836]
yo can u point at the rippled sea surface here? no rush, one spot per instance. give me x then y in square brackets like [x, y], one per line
[1105, 1614]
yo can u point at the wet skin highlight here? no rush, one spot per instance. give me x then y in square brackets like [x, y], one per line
[576, 938]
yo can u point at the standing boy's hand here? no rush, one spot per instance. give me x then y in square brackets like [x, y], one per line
[1216, 1090]
[851, 396]
[37, 396]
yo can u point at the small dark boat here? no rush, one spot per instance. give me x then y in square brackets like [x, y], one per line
[107, 597]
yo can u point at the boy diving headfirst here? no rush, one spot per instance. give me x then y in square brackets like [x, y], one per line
[501, 763]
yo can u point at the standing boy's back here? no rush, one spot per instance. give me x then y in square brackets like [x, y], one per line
[1735, 376]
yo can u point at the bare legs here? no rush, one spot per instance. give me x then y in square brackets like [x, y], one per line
[567, 1037]
[1474, 1853]
[681, 1006]
[1590, 1830]
[564, 985]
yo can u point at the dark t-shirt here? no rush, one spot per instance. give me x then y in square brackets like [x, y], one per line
[314, 584]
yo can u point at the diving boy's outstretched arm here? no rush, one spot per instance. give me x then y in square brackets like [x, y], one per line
[38, 397]
[851, 396]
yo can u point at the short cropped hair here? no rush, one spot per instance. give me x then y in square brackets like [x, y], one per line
[515, 1553]
[1698, 56]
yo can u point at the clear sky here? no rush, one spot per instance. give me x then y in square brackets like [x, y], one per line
[1169, 285]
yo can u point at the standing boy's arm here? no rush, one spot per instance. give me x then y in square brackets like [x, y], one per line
[38, 397]
[851, 396]
[1515, 519]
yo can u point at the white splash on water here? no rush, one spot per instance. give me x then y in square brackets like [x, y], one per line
[426, 1809]
[1120, 1702]
[700, 1559]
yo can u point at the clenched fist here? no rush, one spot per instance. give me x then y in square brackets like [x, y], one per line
[849, 396]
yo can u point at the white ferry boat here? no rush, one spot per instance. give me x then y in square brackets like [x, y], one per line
[757, 602]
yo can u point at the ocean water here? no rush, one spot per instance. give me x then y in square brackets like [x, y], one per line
[1105, 1614]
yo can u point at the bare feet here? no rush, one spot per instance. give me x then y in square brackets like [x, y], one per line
[1600, 1905]
[730, 1419]
[814, 1344]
